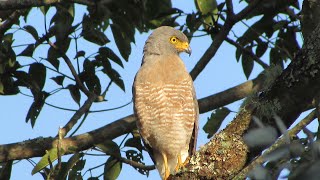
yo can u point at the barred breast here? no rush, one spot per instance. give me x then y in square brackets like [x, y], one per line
[166, 114]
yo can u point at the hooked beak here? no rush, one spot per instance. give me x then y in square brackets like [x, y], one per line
[188, 50]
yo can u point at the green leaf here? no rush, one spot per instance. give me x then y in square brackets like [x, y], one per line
[75, 93]
[23, 78]
[261, 48]
[8, 38]
[247, 64]
[137, 157]
[71, 10]
[112, 169]
[115, 77]
[238, 54]
[69, 165]
[80, 54]
[52, 154]
[275, 57]
[58, 80]
[32, 31]
[209, 10]
[8, 85]
[37, 72]
[215, 120]
[62, 23]
[53, 56]
[95, 36]
[28, 51]
[1, 87]
[91, 34]
[264, 25]
[44, 9]
[134, 142]
[88, 66]
[93, 178]
[5, 170]
[122, 41]
[106, 52]
[93, 84]
[75, 173]
[36, 106]
[109, 147]
[280, 24]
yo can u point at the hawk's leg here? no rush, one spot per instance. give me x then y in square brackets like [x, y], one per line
[180, 163]
[166, 169]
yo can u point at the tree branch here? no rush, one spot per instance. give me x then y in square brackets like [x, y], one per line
[36, 147]
[21, 4]
[76, 116]
[9, 22]
[213, 48]
[231, 95]
[242, 14]
[221, 36]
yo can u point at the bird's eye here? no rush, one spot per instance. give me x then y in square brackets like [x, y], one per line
[173, 40]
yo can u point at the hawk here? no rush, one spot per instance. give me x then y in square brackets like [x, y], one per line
[165, 102]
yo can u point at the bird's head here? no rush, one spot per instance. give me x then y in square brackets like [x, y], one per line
[167, 40]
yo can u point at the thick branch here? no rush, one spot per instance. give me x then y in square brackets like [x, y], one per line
[231, 95]
[36, 147]
[21, 4]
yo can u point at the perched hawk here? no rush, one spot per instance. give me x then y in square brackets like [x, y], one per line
[165, 101]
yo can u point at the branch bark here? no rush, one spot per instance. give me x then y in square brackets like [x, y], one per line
[36, 147]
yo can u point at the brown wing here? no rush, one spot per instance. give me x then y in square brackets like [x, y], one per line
[194, 137]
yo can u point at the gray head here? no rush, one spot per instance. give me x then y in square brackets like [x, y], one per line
[166, 40]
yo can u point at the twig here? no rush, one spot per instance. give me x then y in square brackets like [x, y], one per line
[73, 71]
[9, 22]
[229, 5]
[82, 121]
[242, 14]
[136, 164]
[220, 37]
[74, 119]
[213, 48]
[291, 133]
[255, 57]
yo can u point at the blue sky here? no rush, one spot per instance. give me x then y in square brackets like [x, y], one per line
[221, 73]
